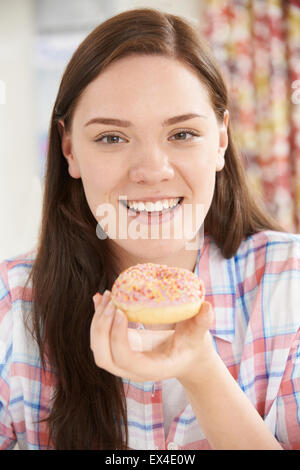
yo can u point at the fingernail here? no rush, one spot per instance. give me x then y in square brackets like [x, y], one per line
[109, 308]
[96, 299]
[105, 298]
[119, 316]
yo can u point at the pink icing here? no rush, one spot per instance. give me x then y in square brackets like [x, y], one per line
[157, 286]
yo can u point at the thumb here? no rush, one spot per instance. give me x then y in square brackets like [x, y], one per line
[205, 316]
[203, 320]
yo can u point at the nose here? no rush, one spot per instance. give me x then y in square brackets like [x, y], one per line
[151, 167]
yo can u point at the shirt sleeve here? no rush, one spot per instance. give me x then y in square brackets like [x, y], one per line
[281, 323]
[7, 434]
[288, 400]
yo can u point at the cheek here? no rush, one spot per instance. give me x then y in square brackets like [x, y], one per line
[100, 175]
[201, 173]
[203, 183]
[98, 183]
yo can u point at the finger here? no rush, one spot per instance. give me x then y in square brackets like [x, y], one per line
[205, 317]
[122, 354]
[97, 299]
[203, 320]
[138, 366]
[100, 335]
[118, 321]
[100, 302]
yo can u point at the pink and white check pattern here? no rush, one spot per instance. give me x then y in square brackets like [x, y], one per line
[256, 299]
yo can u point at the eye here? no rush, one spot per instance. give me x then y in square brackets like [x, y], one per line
[183, 133]
[111, 139]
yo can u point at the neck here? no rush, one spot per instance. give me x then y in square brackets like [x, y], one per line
[180, 259]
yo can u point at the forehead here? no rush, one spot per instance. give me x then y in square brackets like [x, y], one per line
[140, 82]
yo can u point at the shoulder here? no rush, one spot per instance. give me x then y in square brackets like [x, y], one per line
[270, 262]
[15, 298]
[264, 254]
[270, 251]
[271, 243]
[267, 257]
[14, 272]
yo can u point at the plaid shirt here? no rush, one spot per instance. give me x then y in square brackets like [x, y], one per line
[256, 299]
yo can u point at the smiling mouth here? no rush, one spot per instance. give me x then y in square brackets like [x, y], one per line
[152, 208]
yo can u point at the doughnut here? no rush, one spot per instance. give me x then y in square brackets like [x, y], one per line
[153, 293]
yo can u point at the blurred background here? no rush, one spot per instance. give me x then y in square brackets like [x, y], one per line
[257, 45]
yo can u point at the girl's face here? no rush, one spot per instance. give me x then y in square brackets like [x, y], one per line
[144, 131]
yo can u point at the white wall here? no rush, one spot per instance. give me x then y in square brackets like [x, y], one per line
[20, 189]
[189, 9]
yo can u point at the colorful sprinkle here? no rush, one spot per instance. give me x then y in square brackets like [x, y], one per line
[159, 285]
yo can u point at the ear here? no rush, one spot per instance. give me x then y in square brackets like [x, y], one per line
[223, 142]
[66, 147]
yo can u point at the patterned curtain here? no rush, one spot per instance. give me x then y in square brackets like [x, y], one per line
[257, 45]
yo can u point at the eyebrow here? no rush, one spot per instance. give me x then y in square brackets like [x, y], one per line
[124, 123]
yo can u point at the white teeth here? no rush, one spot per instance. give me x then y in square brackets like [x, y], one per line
[153, 206]
[149, 206]
[158, 206]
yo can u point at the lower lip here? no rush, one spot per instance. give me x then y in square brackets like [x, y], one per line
[156, 217]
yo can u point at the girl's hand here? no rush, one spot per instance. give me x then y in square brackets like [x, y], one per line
[225, 414]
[190, 348]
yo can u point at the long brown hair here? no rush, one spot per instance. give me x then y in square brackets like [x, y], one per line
[89, 407]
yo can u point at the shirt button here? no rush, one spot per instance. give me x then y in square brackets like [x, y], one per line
[172, 446]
